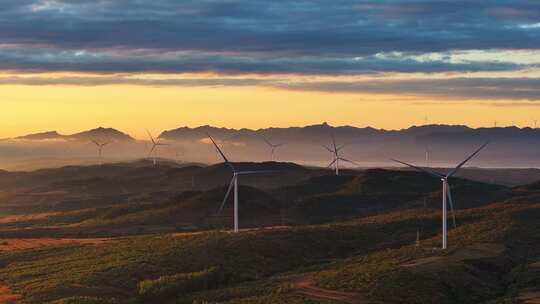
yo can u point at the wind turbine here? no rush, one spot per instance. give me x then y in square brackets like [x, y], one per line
[335, 154]
[272, 146]
[100, 146]
[155, 144]
[177, 160]
[234, 183]
[446, 193]
[428, 150]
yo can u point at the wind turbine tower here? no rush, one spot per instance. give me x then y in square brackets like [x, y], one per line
[234, 182]
[100, 146]
[446, 193]
[272, 147]
[428, 151]
[336, 157]
[155, 145]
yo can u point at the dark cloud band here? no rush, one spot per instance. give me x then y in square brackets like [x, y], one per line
[261, 36]
[454, 88]
[311, 37]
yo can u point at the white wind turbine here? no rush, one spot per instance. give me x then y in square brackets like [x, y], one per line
[234, 183]
[272, 146]
[100, 146]
[446, 193]
[177, 160]
[427, 152]
[336, 157]
[155, 144]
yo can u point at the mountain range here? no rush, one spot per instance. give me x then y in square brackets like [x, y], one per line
[441, 145]
[422, 134]
[425, 133]
[97, 133]
[436, 145]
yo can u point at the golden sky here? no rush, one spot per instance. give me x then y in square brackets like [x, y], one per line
[74, 65]
[132, 108]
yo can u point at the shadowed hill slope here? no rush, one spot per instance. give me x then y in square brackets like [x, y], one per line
[372, 257]
[114, 200]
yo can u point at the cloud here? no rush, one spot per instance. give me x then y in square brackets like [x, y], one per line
[113, 42]
[454, 88]
[121, 80]
[459, 88]
[311, 36]
[16, 57]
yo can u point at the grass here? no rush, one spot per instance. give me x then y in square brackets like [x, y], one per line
[343, 251]
[117, 268]
[361, 262]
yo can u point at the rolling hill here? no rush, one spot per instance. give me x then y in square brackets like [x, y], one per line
[307, 237]
[136, 198]
[491, 259]
[98, 133]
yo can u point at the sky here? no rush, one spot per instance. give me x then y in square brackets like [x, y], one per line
[70, 65]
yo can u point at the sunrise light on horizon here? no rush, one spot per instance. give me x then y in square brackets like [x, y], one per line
[88, 64]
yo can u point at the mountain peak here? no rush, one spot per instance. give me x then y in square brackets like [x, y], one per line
[104, 133]
[48, 135]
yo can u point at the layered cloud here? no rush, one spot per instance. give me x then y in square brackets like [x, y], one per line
[453, 88]
[241, 37]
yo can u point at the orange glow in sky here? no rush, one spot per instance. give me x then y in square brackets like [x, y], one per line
[132, 108]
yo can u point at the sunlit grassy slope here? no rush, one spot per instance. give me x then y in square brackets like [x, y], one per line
[373, 256]
[352, 233]
[128, 201]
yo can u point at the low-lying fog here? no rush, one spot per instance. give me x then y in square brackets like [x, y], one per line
[35, 154]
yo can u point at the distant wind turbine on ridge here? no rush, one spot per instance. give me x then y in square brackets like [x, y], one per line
[272, 146]
[335, 154]
[155, 145]
[428, 150]
[177, 154]
[100, 146]
[446, 192]
[233, 183]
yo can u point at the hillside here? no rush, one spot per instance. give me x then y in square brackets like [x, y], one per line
[131, 233]
[50, 135]
[136, 198]
[109, 134]
[375, 190]
[511, 146]
[447, 145]
[97, 133]
[131, 198]
[491, 258]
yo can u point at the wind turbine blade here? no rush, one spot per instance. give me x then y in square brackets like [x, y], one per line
[226, 195]
[430, 172]
[266, 141]
[449, 194]
[467, 159]
[349, 161]
[341, 147]
[151, 150]
[151, 137]
[333, 162]
[95, 142]
[334, 143]
[217, 148]
[256, 172]
[329, 150]
[221, 153]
